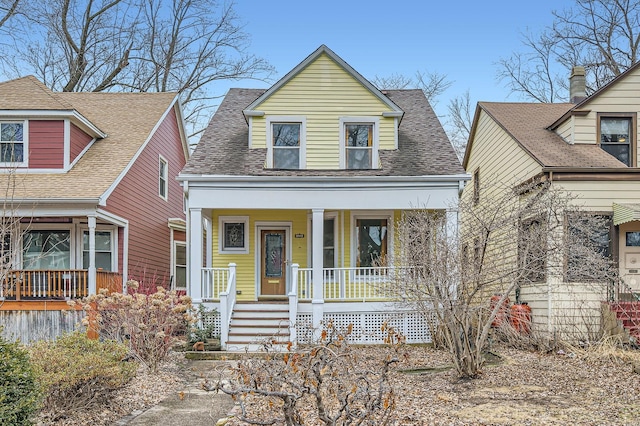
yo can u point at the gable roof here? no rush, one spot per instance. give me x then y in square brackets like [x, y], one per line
[424, 148]
[127, 120]
[308, 60]
[528, 124]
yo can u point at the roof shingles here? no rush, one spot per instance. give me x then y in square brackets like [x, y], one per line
[127, 118]
[424, 148]
[528, 124]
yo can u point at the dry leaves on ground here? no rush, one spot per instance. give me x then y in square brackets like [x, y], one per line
[525, 388]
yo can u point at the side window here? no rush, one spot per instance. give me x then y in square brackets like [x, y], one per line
[476, 187]
[616, 137]
[180, 266]
[163, 178]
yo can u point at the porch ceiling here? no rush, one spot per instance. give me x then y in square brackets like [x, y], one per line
[623, 213]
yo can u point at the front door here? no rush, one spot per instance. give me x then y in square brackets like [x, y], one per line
[630, 254]
[273, 271]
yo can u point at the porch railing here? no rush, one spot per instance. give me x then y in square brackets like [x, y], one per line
[55, 284]
[359, 283]
[214, 282]
[227, 302]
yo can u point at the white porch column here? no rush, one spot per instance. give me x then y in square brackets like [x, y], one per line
[317, 301]
[209, 246]
[92, 254]
[194, 249]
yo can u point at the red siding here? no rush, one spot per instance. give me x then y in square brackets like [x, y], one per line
[79, 141]
[136, 199]
[46, 144]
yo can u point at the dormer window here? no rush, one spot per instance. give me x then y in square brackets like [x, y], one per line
[286, 147]
[359, 143]
[12, 143]
[616, 137]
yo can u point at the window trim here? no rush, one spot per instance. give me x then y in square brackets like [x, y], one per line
[632, 116]
[175, 264]
[222, 220]
[163, 185]
[25, 144]
[382, 214]
[375, 143]
[114, 244]
[287, 119]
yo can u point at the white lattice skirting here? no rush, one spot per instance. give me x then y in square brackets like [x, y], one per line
[368, 326]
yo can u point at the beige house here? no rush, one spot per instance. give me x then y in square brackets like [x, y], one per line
[588, 147]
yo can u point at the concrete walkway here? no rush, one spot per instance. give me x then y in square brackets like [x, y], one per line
[193, 407]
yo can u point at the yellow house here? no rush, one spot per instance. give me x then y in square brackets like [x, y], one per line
[292, 195]
[588, 147]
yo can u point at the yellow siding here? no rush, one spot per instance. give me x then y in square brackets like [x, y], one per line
[323, 92]
[600, 196]
[498, 156]
[565, 130]
[246, 263]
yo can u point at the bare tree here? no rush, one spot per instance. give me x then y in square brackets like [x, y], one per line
[433, 84]
[510, 238]
[8, 9]
[182, 46]
[601, 35]
[459, 122]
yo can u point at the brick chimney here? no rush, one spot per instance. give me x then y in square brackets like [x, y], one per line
[577, 85]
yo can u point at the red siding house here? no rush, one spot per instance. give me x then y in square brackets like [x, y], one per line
[89, 198]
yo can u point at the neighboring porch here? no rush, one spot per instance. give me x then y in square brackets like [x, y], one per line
[42, 285]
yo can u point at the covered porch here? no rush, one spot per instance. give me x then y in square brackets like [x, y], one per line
[324, 247]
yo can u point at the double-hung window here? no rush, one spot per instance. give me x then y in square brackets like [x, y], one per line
[12, 143]
[616, 137]
[359, 143]
[286, 142]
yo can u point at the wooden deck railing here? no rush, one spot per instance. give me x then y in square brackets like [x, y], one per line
[55, 284]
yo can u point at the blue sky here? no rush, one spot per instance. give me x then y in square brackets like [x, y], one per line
[462, 39]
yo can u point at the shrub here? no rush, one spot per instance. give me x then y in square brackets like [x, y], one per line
[19, 391]
[149, 324]
[77, 372]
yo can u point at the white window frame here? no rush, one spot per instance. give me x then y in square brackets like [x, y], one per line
[375, 121]
[25, 144]
[275, 119]
[382, 214]
[175, 264]
[161, 185]
[222, 220]
[114, 244]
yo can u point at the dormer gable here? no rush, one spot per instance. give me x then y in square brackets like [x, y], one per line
[323, 115]
[608, 119]
[39, 130]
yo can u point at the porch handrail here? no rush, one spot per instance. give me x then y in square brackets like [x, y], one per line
[293, 302]
[356, 283]
[227, 302]
[214, 281]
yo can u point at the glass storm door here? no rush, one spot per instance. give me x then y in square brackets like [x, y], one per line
[273, 263]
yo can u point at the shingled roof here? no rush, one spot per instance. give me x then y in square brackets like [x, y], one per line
[126, 118]
[423, 147]
[528, 123]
